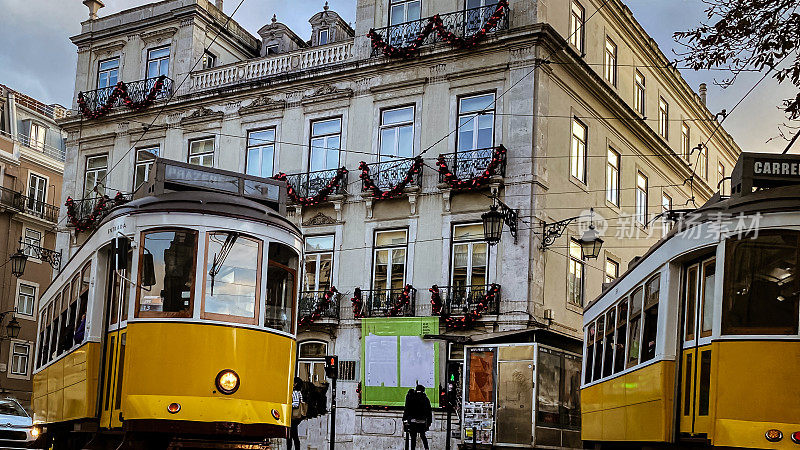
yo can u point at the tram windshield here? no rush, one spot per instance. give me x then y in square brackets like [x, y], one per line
[233, 268]
[167, 274]
[761, 284]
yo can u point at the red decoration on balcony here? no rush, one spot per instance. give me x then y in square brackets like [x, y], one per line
[379, 193]
[467, 320]
[403, 300]
[315, 315]
[435, 24]
[498, 157]
[98, 212]
[322, 195]
[121, 91]
[358, 304]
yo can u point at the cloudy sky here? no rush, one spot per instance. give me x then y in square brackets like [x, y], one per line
[38, 59]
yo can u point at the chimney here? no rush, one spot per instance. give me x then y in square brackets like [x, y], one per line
[218, 4]
[703, 91]
[94, 6]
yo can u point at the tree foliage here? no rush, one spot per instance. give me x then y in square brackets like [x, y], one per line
[742, 35]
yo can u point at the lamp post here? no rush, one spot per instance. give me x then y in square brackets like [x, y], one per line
[499, 213]
[18, 260]
[590, 241]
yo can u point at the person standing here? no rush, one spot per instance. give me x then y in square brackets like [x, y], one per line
[418, 415]
[297, 414]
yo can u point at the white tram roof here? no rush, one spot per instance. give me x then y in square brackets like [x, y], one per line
[760, 183]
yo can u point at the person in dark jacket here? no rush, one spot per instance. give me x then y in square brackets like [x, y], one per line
[418, 415]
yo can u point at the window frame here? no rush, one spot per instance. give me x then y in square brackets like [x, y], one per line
[261, 147]
[610, 58]
[575, 262]
[721, 177]
[639, 92]
[579, 161]
[149, 59]
[613, 177]
[663, 117]
[702, 162]
[666, 206]
[318, 261]
[96, 171]
[148, 164]
[101, 72]
[37, 140]
[213, 151]
[209, 60]
[391, 248]
[12, 354]
[396, 127]
[460, 114]
[162, 314]
[325, 137]
[405, 11]
[39, 243]
[612, 263]
[686, 143]
[256, 319]
[327, 32]
[577, 36]
[33, 299]
[470, 247]
[642, 199]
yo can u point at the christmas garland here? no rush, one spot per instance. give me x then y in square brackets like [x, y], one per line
[327, 298]
[380, 194]
[467, 320]
[121, 91]
[498, 157]
[435, 23]
[358, 304]
[98, 212]
[403, 300]
[322, 195]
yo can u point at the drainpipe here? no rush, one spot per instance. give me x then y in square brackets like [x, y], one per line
[703, 91]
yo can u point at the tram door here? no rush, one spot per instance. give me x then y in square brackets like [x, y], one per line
[695, 377]
[116, 339]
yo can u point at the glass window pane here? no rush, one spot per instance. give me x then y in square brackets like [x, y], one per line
[323, 127]
[319, 243]
[281, 287]
[468, 232]
[401, 115]
[707, 319]
[167, 269]
[405, 144]
[476, 104]
[385, 238]
[256, 138]
[234, 262]
[159, 53]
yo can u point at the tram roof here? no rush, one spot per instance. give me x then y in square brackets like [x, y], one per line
[753, 193]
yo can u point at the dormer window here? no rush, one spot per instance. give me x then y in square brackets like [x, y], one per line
[272, 50]
[323, 36]
[36, 136]
[209, 60]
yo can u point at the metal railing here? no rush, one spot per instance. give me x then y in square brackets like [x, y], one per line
[137, 90]
[381, 303]
[86, 206]
[49, 151]
[468, 164]
[311, 300]
[39, 209]
[460, 300]
[11, 198]
[388, 174]
[463, 24]
[269, 66]
[309, 184]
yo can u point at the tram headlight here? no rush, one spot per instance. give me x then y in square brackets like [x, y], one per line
[35, 432]
[773, 435]
[796, 437]
[227, 381]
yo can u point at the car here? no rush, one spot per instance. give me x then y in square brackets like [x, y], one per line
[16, 425]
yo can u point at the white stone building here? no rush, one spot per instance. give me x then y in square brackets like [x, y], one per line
[587, 112]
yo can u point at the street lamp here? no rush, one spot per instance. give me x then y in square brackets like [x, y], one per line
[18, 260]
[499, 213]
[13, 328]
[590, 242]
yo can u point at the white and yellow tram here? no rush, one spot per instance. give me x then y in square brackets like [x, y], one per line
[697, 344]
[174, 322]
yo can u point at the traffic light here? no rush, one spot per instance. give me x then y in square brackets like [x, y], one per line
[332, 367]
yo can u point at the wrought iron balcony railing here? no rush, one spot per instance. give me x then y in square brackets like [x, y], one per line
[462, 23]
[309, 184]
[467, 164]
[11, 198]
[137, 90]
[313, 302]
[460, 300]
[39, 209]
[387, 303]
[83, 208]
[391, 172]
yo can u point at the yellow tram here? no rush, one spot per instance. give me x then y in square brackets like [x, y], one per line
[697, 344]
[174, 323]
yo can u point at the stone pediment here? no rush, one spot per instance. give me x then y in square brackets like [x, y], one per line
[202, 114]
[158, 35]
[327, 92]
[319, 220]
[262, 103]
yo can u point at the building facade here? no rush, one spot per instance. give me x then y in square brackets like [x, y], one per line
[32, 149]
[395, 134]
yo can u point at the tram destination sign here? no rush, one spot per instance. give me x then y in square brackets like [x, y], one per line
[764, 170]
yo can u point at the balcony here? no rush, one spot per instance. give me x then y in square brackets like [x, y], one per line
[270, 66]
[462, 24]
[387, 175]
[322, 183]
[473, 164]
[81, 210]
[40, 209]
[313, 309]
[11, 199]
[137, 90]
[464, 300]
[385, 303]
[7, 145]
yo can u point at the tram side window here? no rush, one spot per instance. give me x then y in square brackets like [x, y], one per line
[761, 287]
[598, 356]
[650, 318]
[622, 326]
[281, 287]
[167, 274]
[590, 338]
[40, 358]
[608, 358]
[634, 329]
[707, 292]
[233, 276]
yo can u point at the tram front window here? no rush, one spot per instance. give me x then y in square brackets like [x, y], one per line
[233, 265]
[281, 287]
[761, 284]
[166, 274]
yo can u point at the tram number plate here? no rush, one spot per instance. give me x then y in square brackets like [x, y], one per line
[229, 427]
